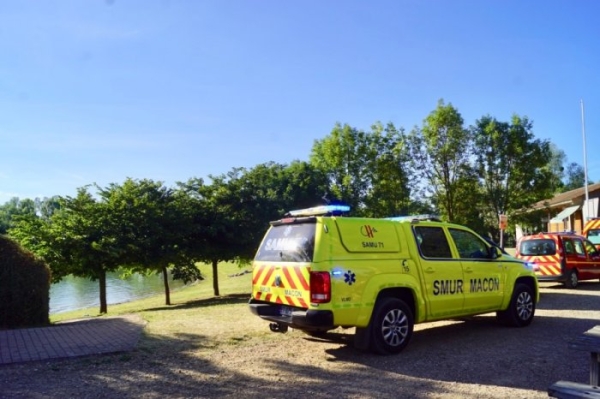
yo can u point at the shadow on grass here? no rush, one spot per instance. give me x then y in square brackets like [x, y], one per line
[230, 299]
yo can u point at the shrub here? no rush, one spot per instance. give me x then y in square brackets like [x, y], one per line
[24, 287]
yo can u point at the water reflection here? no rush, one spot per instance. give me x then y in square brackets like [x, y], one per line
[74, 293]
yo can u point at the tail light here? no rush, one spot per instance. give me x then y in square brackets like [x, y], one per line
[320, 287]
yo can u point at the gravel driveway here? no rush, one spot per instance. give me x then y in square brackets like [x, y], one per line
[476, 358]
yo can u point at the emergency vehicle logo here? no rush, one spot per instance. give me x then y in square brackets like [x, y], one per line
[349, 277]
[368, 231]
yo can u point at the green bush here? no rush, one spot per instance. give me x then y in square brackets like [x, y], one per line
[24, 287]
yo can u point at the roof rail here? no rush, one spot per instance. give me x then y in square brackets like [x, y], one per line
[416, 218]
[571, 232]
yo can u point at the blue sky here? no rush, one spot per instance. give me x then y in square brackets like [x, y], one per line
[97, 91]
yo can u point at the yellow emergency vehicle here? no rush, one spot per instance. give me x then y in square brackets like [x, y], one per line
[316, 270]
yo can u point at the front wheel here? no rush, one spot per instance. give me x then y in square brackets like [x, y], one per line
[391, 326]
[521, 309]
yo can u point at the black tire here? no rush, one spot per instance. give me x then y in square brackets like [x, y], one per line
[521, 309]
[391, 326]
[572, 279]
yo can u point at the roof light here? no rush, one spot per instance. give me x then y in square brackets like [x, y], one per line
[321, 210]
[415, 218]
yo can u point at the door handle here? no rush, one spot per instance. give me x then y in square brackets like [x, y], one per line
[430, 270]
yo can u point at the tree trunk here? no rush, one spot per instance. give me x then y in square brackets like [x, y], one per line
[166, 282]
[215, 264]
[102, 284]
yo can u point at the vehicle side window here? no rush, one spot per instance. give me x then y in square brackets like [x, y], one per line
[579, 247]
[432, 242]
[469, 245]
[589, 247]
[569, 247]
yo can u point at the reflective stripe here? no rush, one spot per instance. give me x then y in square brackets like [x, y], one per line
[286, 285]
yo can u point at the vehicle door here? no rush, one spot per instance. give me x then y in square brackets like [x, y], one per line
[572, 258]
[441, 273]
[484, 273]
[593, 258]
[584, 263]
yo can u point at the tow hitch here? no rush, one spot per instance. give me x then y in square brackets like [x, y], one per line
[278, 327]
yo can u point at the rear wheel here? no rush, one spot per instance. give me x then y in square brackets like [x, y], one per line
[572, 279]
[521, 309]
[391, 326]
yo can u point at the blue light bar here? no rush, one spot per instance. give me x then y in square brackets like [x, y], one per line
[415, 218]
[321, 210]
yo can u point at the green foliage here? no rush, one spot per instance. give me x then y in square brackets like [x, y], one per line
[466, 175]
[368, 170]
[24, 287]
[231, 215]
[514, 167]
[149, 228]
[575, 178]
[556, 167]
[76, 239]
[340, 156]
[14, 209]
[441, 151]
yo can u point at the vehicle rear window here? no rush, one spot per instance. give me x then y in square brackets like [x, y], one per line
[537, 247]
[288, 243]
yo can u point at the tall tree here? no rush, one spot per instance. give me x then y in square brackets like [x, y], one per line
[575, 177]
[149, 228]
[512, 165]
[389, 172]
[302, 185]
[222, 219]
[13, 209]
[76, 240]
[368, 170]
[556, 168]
[441, 151]
[232, 213]
[342, 156]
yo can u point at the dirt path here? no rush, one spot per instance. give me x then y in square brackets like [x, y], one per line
[230, 353]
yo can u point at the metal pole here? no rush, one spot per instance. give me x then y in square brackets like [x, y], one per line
[585, 174]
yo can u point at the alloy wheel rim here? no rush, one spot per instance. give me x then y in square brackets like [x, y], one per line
[524, 306]
[395, 327]
[574, 279]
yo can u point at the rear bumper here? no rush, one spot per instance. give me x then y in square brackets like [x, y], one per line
[300, 319]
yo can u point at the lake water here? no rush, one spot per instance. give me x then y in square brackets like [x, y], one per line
[74, 293]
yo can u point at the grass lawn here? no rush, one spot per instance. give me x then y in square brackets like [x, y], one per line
[231, 286]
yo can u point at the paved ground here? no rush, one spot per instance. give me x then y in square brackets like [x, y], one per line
[70, 339]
